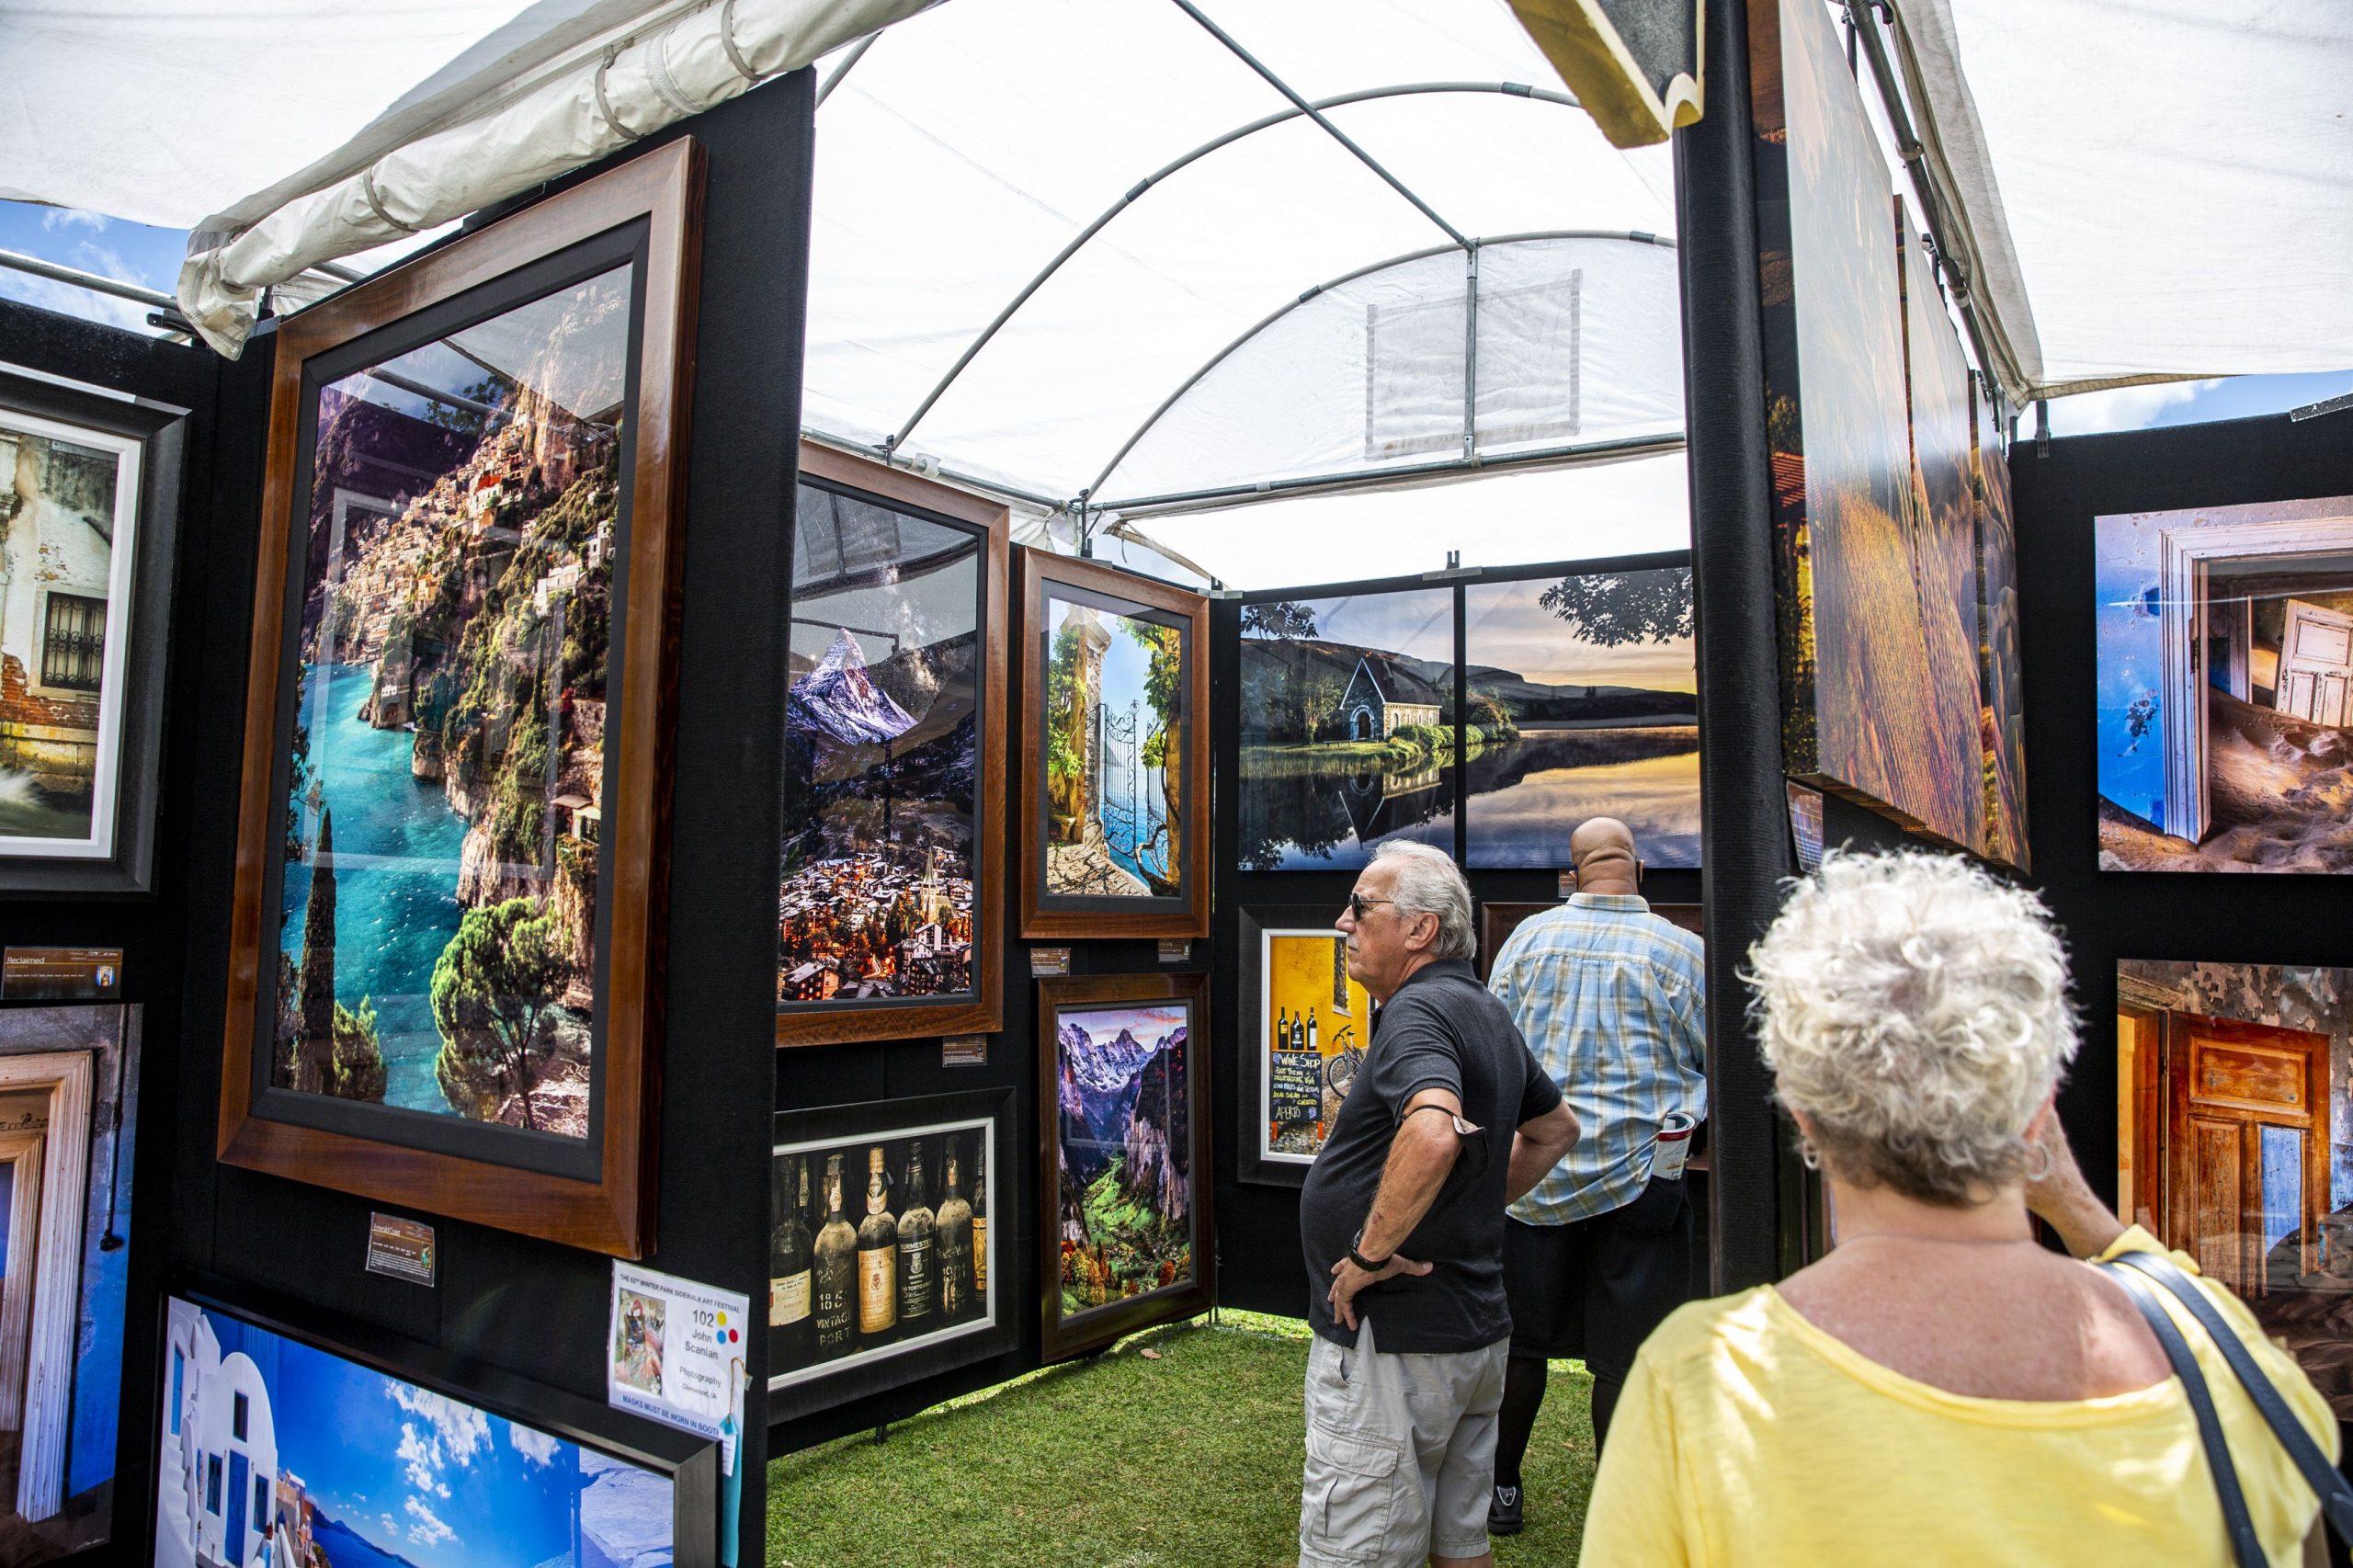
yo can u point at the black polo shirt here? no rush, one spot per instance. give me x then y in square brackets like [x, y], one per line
[1440, 1030]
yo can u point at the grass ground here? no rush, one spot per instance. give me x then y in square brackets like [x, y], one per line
[1180, 1448]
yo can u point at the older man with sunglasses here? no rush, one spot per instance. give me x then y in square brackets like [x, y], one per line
[1450, 1118]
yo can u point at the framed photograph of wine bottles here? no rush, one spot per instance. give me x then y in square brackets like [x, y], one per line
[445, 940]
[1125, 1233]
[1305, 1028]
[89, 507]
[1115, 758]
[895, 734]
[883, 1265]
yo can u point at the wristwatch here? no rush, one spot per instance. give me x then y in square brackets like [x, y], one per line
[1369, 1265]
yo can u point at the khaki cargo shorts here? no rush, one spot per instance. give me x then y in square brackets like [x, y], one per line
[1400, 1454]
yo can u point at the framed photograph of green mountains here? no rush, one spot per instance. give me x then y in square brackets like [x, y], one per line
[445, 941]
[890, 874]
[89, 505]
[1115, 759]
[1125, 1235]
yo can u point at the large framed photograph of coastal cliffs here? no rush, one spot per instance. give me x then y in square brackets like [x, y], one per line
[1126, 1238]
[89, 508]
[446, 934]
[892, 855]
[1115, 762]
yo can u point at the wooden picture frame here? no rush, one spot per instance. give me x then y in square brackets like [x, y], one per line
[119, 702]
[983, 1115]
[1047, 913]
[1095, 1325]
[1499, 921]
[594, 1190]
[1262, 1000]
[837, 1019]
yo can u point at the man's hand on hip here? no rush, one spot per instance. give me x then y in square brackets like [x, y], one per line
[1348, 1279]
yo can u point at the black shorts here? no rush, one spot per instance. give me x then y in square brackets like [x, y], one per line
[1595, 1289]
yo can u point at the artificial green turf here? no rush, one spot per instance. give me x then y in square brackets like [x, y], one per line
[1189, 1460]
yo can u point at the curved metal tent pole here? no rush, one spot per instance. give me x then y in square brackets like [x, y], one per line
[1630, 236]
[1366, 94]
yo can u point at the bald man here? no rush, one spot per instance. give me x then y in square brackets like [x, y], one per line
[1611, 999]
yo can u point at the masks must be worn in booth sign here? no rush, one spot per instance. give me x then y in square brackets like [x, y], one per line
[677, 1354]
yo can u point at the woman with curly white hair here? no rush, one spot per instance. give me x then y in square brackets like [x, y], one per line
[1941, 1388]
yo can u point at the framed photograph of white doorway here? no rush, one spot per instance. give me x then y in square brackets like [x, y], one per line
[2225, 716]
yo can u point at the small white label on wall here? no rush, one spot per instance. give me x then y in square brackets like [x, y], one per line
[1044, 962]
[676, 1354]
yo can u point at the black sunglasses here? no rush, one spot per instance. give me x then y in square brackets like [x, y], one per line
[1357, 903]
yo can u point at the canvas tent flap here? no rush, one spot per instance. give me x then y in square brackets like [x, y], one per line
[2148, 192]
[586, 107]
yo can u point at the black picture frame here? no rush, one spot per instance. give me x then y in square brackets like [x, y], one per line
[794, 1392]
[160, 433]
[692, 1463]
[1254, 1162]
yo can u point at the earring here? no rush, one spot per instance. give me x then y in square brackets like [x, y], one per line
[1808, 1155]
[2044, 1150]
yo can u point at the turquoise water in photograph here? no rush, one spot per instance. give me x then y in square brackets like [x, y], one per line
[396, 848]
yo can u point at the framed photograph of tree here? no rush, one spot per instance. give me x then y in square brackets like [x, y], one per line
[1115, 761]
[891, 869]
[1126, 1238]
[883, 1268]
[445, 949]
[89, 508]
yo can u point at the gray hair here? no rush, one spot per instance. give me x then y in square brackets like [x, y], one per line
[1429, 882]
[1915, 1010]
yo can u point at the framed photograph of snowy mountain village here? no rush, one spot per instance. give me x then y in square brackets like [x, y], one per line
[1125, 1235]
[894, 745]
[446, 938]
[1115, 765]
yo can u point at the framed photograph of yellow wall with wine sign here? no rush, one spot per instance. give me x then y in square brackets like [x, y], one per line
[1305, 1025]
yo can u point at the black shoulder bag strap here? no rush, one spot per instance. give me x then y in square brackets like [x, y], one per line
[2336, 1495]
[2246, 1549]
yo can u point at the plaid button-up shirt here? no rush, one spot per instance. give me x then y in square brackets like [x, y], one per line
[1613, 999]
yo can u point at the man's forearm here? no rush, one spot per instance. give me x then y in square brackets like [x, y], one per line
[1420, 1156]
[1531, 1160]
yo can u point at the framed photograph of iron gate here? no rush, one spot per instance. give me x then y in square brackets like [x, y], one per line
[889, 873]
[445, 941]
[89, 511]
[854, 1312]
[1115, 762]
[1305, 1028]
[1125, 1235]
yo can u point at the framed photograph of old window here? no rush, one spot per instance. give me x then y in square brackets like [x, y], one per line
[89, 508]
[1125, 1236]
[446, 939]
[891, 867]
[883, 1268]
[1305, 1025]
[1115, 765]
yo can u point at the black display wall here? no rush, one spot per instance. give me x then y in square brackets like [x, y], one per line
[523, 1306]
[2291, 919]
[150, 931]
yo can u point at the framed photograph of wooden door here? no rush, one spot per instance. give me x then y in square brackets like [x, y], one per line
[2247, 1158]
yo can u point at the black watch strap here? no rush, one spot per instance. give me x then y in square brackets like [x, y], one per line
[1369, 1265]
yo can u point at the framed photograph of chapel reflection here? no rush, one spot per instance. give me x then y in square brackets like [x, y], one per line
[851, 1314]
[444, 950]
[1125, 1236]
[89, 508]
[1115, 761]
[1305, 1025]
[893, 851]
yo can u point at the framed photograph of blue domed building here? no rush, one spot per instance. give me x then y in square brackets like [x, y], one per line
[445, 947]
[893, 746]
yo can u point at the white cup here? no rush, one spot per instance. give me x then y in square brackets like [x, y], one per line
[1673, 1145]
